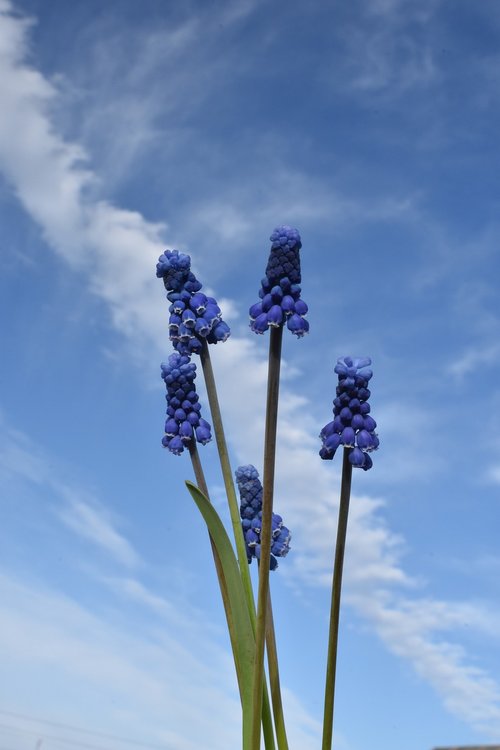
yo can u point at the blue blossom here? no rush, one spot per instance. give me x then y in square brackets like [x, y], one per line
[353, 426]
[184, 421]
[193, 315]
[250, 488]
[279, 294]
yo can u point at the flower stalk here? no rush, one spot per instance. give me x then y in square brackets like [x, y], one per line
[353, 428]
[274, 679]
[275, 342]
[331, 665]
[227, 475]
[251, 490]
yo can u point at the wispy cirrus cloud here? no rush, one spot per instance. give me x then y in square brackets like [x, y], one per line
[142, 684]
[475, 357]
[384, 55]
[148, 683]
[78, 511]
[493, 474]
[17, 457]
[92, 523]
[411, 629]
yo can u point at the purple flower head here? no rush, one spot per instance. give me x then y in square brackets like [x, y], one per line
[250, 488]
[284, 260]
[279, 294]
[175, 270]
[353, 426]
[184, 421]
[193, 315]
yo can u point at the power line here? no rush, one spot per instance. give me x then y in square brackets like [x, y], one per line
[72, 728]
[54, 738]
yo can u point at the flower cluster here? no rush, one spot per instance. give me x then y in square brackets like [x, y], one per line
[184, 422]
[352, 427]
[250, 488]
[193, 315]
[280, 287]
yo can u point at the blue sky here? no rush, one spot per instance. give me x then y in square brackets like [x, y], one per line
[127, 128]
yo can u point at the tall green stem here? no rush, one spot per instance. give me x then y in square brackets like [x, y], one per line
[197, 468]
[275, 341]
[227, 474]
[345, 495]
[274, 679]
[234, 511]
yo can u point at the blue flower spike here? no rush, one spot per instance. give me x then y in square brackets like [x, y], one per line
[279, 294]
[193, 315]
[353, 426]
[250, 489]
[184, 421]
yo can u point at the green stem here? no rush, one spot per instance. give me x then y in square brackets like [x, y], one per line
[234, 512]
[275, 340]
[201, 482]
[345, 494]
[227, 474]
[274, 679]
[197, 468]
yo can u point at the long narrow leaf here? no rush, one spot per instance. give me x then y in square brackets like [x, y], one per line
[237, 602]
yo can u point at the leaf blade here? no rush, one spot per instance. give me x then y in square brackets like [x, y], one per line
[245, 639]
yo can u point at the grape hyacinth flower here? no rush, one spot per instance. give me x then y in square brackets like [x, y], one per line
[193, 315]
[280, 287]
[353, 426]
[250, 488]
[184, 421]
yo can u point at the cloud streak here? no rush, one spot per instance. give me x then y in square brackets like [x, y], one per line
[20, 458]
[409, 630]
[136, 675]
[91, 523]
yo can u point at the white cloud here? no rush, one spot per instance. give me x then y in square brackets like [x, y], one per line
[92, 523]
[474, 358]
[494, 474]
[409, 630]
[143, 684]
[383, 56]
[288, 193]
[79, 512]
[158, 81]
[405, 436]
[18, 458]
[139, 683]
[117, 248]
[485, 566]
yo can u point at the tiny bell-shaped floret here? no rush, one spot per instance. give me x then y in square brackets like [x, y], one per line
[352, 426]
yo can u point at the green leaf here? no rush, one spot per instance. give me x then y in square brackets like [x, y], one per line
[244, 636]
